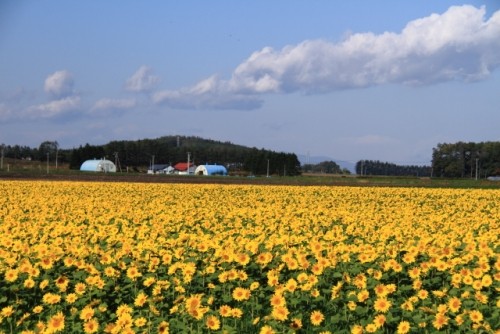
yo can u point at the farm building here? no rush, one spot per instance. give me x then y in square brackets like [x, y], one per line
[157, 169]
[96, 165]
[182, 168]
[210, 170]
[168, 170]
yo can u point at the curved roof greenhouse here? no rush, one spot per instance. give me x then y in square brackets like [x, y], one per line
[210, 170]
[95, 165]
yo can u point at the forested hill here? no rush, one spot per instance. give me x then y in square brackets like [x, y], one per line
[174, 149]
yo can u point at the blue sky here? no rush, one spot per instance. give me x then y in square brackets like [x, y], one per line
[348, 80]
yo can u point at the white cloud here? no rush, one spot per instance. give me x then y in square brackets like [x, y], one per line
[459, 44]
[59, 84]
[142, 80]
[114, 104]
[210, 93]
[53, 109]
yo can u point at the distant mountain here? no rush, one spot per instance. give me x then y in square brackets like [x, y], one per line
[304, 159]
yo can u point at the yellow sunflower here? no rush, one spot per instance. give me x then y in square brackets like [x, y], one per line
[316, 318]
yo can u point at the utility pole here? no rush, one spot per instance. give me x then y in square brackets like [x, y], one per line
[117, 162]
[1, 159]
[477, 161]
[48, 162]
[267, 168]
[189, 158]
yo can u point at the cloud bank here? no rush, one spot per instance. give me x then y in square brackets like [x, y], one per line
[52, 109]
[63, 100]
[458, 45]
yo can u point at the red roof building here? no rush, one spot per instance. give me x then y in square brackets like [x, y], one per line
[183, 166]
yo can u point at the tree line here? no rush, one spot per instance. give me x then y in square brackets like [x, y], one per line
[375, 167]
[454, 160]
[325, 167]
[466, 160]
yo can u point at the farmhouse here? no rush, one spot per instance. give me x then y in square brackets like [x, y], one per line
[96, 165]
[158, 169]
[210, 170]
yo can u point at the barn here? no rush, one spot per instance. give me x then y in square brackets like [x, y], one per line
[210, 170]
[96, 165]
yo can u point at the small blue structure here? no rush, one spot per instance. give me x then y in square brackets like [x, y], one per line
[210, 170]
[96, 165]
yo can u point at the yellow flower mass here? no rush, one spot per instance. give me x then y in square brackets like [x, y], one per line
[114, 257]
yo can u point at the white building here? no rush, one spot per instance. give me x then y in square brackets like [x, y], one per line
[96, 165]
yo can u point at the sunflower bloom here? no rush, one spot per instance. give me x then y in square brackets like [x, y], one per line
[51, 298]
[87, 313]
[225, 311]
[29, 283]
[403, 327]
[141, 299]
[133, 273]
[193, 302]
[236, 313]
[212, 323]
[91, 326]
[123, 309]
[140, 322]
[476, 316]
[454, 304]
[80, 288]
[280, 313]
[7, 311]
[56, 323]
[241, 294]
[277, 300]
[296, 324]
[62, 283]
[163, 327]
[316, 318]
[11, 275]
[357, 329]
[371, 328]
[440, 321]
[267, 330]
[379, 320]
[382, 305]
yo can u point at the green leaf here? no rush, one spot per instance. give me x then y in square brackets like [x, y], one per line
[226, 298]
[337, 274]
[361, 310]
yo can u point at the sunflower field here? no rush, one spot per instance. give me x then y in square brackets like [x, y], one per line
[98, 257]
